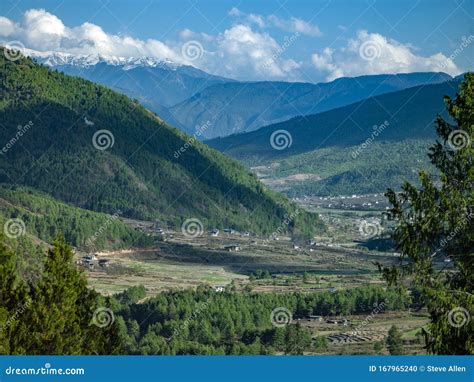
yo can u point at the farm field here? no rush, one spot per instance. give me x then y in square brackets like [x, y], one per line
[359, 334]
[180, 261]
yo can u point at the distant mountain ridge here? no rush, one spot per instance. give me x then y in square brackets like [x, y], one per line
[53, 59]
[155, 83]
[408, 112]
[241, 107]
[187, 97]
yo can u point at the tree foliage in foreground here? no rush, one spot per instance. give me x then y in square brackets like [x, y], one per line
[52, 314]
[435, 230]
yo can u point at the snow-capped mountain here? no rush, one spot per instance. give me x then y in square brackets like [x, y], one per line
[54, 59]
[156, 83]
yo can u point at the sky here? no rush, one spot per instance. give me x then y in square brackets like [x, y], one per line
[292, 40]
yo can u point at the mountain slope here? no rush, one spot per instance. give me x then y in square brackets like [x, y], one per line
[156, 83]
[246, 106]
[139, 174]
[360, 148]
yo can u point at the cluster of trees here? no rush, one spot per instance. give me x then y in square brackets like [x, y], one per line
[51, 311]
[260, 274]
[435, 230]
[207, 322]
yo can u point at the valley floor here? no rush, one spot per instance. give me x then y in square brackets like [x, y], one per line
[333, 262]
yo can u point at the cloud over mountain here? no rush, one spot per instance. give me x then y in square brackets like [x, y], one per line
[372, 53]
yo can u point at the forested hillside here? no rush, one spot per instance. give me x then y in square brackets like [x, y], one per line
[45, 218]
[206, 322]
[88, 146]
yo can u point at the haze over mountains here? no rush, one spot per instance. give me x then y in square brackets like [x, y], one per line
[188, 98]
[409, 112]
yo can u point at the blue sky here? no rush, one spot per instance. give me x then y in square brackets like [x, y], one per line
[256, 40]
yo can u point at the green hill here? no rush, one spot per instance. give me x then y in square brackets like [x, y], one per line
[141, 174]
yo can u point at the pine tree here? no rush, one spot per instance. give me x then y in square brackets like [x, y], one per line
[394, 341]
[60, 309]
[435, 229]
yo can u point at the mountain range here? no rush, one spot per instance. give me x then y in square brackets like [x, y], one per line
[189, 98]
[246, 106]
[156, 83]
[327, 123]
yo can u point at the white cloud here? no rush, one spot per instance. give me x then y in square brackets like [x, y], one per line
[295, 25]
[188, 34]
[250, 18]
[372, 53]
[42, 31]
[244, 50]
[7, 27]
[257, 19]
[235, 12]
[238, 52]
